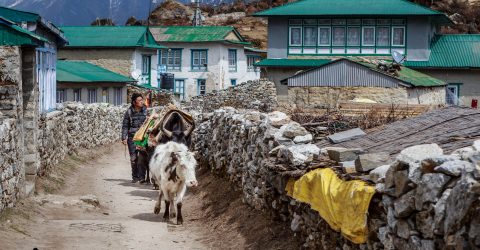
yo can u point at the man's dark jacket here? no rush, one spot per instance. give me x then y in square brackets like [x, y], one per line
[132, 121]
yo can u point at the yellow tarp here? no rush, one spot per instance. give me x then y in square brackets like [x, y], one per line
[343, 204]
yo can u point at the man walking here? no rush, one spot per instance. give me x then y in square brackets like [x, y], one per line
[132, 121]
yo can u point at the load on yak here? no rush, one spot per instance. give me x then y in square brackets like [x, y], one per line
[171, 124]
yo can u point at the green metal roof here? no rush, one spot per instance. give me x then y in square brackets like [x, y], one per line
[452, 51]
[83, 72]
[352, 8]
[18, 16]
[13, 35]
[110, 36]
[190, 34]
[406, 75]
[294, 63]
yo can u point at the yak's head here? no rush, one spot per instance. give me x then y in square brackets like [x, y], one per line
[185, 167]
[176, 130]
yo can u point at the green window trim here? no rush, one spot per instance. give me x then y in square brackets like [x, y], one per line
[164, 59]
[199, 86]
[457, 85]
[295, 47]
[233, 81]
[251, 60]
[232, 62]
[197, 67]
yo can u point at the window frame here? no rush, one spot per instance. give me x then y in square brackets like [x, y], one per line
[95, 96]
[198, 68]
[233, 81]
[374, 36]
[61, 98]
[117, 96]
[232, 68]
[165, 54]
[329, 36]
[455, 85]
[199, 91]
[252, 67]
[182, 88]
[290, 36]
[392, 28]
[79, 91]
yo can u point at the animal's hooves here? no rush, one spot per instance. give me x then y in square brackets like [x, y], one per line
[156, 210]
[173, 215]
[179, 221]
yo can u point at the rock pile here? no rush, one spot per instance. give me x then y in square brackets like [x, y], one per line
[259, 95]
[10, 163]
[424, 200]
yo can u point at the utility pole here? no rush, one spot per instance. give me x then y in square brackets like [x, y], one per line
[197, 18]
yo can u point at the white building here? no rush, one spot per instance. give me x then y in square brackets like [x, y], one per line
[205, 58]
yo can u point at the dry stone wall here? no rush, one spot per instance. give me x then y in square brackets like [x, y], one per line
[74, 126]
[259, 95]
[424, 199]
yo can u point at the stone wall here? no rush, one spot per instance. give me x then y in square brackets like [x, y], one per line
[74, 126]
[424, 199]
[331, 96]
[159, 97]
[260, 95]
[11, 126]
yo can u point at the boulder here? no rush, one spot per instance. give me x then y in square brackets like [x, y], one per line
[346, 135]
[439, 209]
[300, 154]
[303, 139]
[476, 145]
[455, 168]
[405, 205]
[278, 119]
[343, 154]
[458, 203]
[429, 164]
[464, 153]
[429, 189]
[293, 129]
[415, 172]
[274, 151]
[403, 229]
[419, 152]
[424, 222]
[348, 166]
[367, 162]
[378, 174]
[401, 182]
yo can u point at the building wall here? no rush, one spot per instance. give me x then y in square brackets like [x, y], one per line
[117, 60]
[70, 87]
[137, 64]
[218, 76]
[469, 80]
[418, 35]
[432, 95]
[276, 75]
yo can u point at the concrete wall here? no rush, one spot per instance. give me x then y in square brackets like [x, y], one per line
[137, 64]
[116, 60]
[277, 37]
[433, 95]
[469, 79]
[218, 76]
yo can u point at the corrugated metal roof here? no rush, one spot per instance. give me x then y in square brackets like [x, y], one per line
[110, 36]
[293, 63]
[452, 51]
[352, 8]
[405, 75]
[82, 72]
[11, 34]
[190, 34]
[18, 16]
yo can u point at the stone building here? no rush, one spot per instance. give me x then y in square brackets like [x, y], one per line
[345, 79]
[205, 58]
[80, 81]
[306, 34]
[127, 50]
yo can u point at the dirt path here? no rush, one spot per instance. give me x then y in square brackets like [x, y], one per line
[124, 219]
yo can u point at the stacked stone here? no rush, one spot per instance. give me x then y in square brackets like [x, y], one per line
[258, 95]
[10, 163]
[74, 126]
[431, 199]
[424, 200]
[159, 97]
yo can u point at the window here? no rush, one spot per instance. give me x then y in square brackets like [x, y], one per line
[398, 36]
[453, 93]
[346, 36]
[353, 37]
[232, 60]
[105, 98]
[146, 69]
[383, 36]
[61, 96]
[92, 96]
[233, 82]
[117, 95]
[45, 67]
[296, 36]
[179, 88]
[171, 58]
[251, 60]
[324, 36]
[77, 95]
[199, 60]
[202, 88]
[310, 36]
[338, 36]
